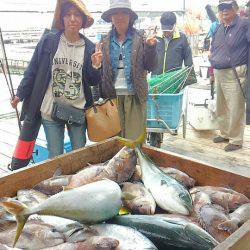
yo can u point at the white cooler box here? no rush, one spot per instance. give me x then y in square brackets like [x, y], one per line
[200, 113]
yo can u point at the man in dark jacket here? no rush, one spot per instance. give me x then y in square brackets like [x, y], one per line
[172, 47]
[229, 57]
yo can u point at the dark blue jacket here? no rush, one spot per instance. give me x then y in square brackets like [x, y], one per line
[172, 55]
[248, 92]
[230, 44]
[37, 76]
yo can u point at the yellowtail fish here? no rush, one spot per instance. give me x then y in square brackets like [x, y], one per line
[94, 202]
[168, 193]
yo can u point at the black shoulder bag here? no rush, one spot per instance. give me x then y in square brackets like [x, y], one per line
[67, 114]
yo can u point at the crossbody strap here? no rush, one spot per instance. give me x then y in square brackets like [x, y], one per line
[234, 69]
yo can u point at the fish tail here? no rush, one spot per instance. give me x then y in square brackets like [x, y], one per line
[133, 143]
[16, 208]
[21, 220]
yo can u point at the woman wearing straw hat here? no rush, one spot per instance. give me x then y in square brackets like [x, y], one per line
[56, 85]
[126, 59]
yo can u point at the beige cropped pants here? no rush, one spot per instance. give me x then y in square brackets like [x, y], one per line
[132, 116]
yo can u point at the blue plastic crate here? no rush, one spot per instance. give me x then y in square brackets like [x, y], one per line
[166, 107]
[42, 151]
[67, 146]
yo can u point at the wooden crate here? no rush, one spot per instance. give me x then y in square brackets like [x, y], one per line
[74, 161]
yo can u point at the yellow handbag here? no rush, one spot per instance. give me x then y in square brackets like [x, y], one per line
[103, 120]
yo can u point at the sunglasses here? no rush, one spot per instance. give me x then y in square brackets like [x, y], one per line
[225, 6]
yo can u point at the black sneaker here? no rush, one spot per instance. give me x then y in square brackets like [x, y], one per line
[232, 147]
[220, 139]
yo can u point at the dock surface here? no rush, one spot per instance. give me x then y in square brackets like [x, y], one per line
[197, 145]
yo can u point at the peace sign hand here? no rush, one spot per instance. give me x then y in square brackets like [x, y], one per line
[96, 57]
[151, 39]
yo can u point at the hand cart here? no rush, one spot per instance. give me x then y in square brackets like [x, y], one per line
[164, 115]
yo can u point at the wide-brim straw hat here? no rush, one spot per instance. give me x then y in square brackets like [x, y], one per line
[57, 21]
[119, 5]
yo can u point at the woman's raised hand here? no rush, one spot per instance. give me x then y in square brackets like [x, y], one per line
[151, 39]
[96, 57]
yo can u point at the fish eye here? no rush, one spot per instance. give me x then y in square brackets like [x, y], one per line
[53, 230]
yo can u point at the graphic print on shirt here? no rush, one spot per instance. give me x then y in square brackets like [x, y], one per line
[65, 84]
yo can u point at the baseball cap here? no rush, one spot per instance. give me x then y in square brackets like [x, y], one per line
[168, 21]
[227, 4]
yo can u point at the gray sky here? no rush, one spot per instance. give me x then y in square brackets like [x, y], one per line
[101, 5]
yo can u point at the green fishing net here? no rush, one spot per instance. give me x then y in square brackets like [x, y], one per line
[171, 82]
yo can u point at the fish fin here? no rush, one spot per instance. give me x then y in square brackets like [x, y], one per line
[21, 220]
[128, 196]
[133, 143]
[66, 188]
[7, 217]
[13, 206]
[123, 211]
[229, 226]
[16, 207]
[163, 182]
[125, 183]
[58, 172]
[188, 202]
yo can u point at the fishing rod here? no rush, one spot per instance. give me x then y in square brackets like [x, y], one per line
[8, 81]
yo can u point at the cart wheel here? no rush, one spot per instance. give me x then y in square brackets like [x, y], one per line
[155, 139]
[175, 132]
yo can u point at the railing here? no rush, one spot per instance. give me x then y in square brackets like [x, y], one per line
[17, 67]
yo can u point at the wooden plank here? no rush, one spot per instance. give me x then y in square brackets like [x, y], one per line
[6, 149]
[206, 138]
[203, 173]
[240, 240]
[235, 164]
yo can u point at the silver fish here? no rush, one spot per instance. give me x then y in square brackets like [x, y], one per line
[209, 215]
[119, 169]
[93, 243]
[167, 232]
[31, 197]
[227, 198]
[53, 185]
[168, 193]
[5, 247]
[36, 235]
[180, 176]
[142, 203]
[128, 237]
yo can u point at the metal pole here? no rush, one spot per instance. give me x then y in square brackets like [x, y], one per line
[8, 81]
